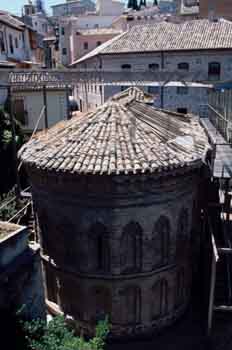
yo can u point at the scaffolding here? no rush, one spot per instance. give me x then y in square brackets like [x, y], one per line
[218, 215]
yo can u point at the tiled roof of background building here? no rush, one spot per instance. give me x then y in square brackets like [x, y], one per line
[122, 136]
[167, 36]
[9, 20]
[99, 31]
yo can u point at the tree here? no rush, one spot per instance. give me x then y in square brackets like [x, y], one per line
[143, 3]
[155, 3]
[133, 4]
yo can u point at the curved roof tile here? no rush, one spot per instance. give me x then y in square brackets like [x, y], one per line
[122, 136]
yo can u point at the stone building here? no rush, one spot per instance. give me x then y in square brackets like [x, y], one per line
[116, 195]
[199, 49]
[21, 285]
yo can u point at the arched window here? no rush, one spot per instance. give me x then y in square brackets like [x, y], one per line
[126, 67]
[71, 299]
[153, 67]
[161, 242]
[180, 288]
[131, 242]
[214, 71]
[159, 305]
[183, 66]
[98, 248]
[183, 223]
[130, 305]
[100, 303]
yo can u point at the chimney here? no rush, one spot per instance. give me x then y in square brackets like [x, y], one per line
[211, 11]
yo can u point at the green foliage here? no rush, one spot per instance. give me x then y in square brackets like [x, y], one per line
[9, 210]
[6, 151]
[57, 336]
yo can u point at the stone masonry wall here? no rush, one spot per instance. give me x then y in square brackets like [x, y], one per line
[117, 245]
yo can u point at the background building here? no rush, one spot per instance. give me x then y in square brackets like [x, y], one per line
[217, 8]
[73, 8]
[197, 51]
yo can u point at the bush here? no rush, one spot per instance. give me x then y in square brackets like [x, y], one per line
[57, 336]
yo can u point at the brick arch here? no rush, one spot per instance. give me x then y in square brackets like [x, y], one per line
[183, 222]
[130, 301]
[180, 287]
[131, 248]
[161, 242]
[100, 303]
[159, 299]
[98, 248]
[72, 297]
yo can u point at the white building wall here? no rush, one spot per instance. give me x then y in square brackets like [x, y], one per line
[109, 7]
[198, 66]
[33, 103]
[17, 35]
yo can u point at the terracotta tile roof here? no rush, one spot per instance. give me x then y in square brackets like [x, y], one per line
[134, 92]
[11, 21]
[99, 31]
[166, 36]
[119, 137]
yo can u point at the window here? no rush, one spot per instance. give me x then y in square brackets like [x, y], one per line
[86, 45]
[62, 31]
[126, 66]
[159, 306]
[64, 51]
[96, 25]
[102, 304]
[36, 24]
[99, 249]
[99, 43]
[161, 242]
[214, 71]
[11, 44]
[182, 110]
[16, 43]
[182, 90]
[154, 90]
[2, 44]
[180, 288]
[130, 257]
[130, 305]
[153, 67]
[183, 66]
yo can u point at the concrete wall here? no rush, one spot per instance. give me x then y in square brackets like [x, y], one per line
[109, 7]
[144, 226]
[21, 285]
[73, 8]
[33, 104]
[78, 41]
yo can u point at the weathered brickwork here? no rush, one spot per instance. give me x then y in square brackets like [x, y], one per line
[118, 246]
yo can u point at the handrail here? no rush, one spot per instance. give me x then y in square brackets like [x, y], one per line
[34, 131]
[216, 112]
[15, 216]
[12, 199]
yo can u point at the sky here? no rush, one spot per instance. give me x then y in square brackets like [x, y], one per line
[15, 6]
